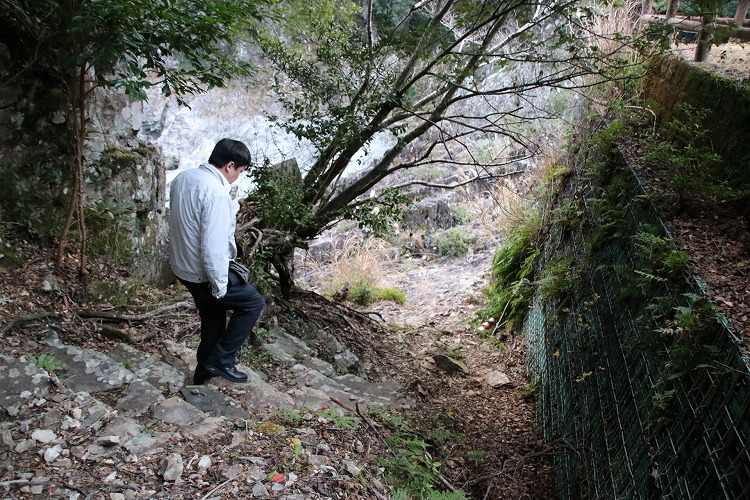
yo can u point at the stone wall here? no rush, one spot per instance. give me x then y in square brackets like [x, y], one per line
[672, 82]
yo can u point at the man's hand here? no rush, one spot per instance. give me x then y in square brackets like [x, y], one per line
[218, 292]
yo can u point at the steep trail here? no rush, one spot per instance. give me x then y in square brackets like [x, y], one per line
[477, 418]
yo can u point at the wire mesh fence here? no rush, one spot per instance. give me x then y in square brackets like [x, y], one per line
[635, 418]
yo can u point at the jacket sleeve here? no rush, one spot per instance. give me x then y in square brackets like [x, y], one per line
[216, 224]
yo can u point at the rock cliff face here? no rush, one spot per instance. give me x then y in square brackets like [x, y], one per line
[128, 173]
[124, 175]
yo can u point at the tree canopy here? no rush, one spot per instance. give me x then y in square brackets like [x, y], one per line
[432, 74]
[183, 46]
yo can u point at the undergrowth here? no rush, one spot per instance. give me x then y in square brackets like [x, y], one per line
[413, 464]
[511, 289]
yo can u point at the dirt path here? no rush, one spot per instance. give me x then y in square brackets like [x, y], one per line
[488, 434]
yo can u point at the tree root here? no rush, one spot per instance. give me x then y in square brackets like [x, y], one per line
[87, 313]
[26, 319]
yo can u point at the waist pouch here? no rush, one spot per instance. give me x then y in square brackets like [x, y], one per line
[241, 271]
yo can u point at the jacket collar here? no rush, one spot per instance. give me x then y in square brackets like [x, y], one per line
[215, 172]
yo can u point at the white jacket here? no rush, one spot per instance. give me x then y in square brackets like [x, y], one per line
[202, 222]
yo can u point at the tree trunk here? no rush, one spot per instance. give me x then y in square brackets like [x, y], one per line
[741, 14]
[68, 217]
[80, 144]
[77, 197]
[284, 265]
[672, 8]
[706, 35]
[703, 47]
[647, 6]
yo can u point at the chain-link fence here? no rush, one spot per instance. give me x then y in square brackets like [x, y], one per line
[639, 407]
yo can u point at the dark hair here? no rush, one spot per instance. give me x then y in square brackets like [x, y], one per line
[227, 150]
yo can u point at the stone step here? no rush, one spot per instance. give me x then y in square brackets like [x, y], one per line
[130, 383]
[88, 409]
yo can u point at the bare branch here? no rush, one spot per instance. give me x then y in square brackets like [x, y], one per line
[456, 184]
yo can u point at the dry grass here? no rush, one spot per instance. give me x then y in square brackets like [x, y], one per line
[358, 261]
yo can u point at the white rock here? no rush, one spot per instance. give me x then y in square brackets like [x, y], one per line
[51, 454]
[497, 379]
[44, 436]
[259, 490]
[24, 446]
[6, 438]
[352, 468]
[70, 423]
[204, 463]
[108, 440]
[171, 467]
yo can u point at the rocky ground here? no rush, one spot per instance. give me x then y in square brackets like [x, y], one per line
[99, 404]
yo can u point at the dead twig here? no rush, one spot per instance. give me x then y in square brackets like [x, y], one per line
[210, 493]
[117, 334]
[342, 404]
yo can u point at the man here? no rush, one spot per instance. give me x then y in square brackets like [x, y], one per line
[201, 243]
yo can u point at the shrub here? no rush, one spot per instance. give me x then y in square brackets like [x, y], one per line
[513, 264]
[362, 293]
[454, 242]
[392, 294]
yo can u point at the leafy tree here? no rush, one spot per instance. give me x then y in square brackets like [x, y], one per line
[179, 46]
[433, 74]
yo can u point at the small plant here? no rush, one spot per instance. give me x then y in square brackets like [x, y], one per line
[570, 215]
[339, 421]
[293, 417]
[47, 362]
[268, 428]
[253, 358]
[528, 391]
[690, 331]
[660, 257]
[412, 465]
[296, 445]
[557, 279]
[453, 243]
[688, 154]
[662, 400]
[362, 293]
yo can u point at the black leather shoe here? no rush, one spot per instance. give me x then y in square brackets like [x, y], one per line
[227, 373]
[201, 375]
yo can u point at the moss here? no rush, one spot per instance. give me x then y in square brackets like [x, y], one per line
[116, 293]
[674, 84]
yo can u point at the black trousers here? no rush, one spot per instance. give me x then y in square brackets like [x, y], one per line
[220, 341]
